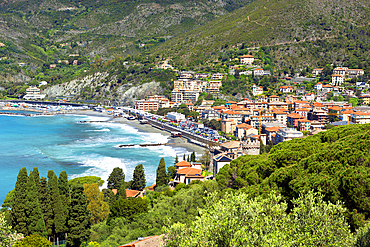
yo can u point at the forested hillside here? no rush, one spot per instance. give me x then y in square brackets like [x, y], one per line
[335, 162]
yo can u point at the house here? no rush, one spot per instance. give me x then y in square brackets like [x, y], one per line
[351, 73]
[244, 129]
[271, 132]
[286, 89]
[166, 66]
[340, 71]
[187, 175]
[147, 105]
[247, 59]
[327, 88]
[280, 116]
[287, 134]
[293, 118]
[133, 193]
[259, 72]
[360, 117]
[52, 66]
[300, 104]
[336, 80]
[278, 105]
[217, 76]
[256, 90]
[366, 99]
[175, 116]
[33, 93]
[2, 44]
[75, 62]
[309, 97]
[273, 98]
[231, 146]
[210, 114]
[318, 86]
[317, 72]
[302, 111]
[304, 125]
[229, 120]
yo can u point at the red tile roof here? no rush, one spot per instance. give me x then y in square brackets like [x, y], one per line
[183, 164]
[132, 193]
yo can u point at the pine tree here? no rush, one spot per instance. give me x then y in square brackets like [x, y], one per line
[35, 219]
[65, 197]
[176, 159]
[161, 173]
[138, 180]
[115, 178]
[79, 220]
[18, 213]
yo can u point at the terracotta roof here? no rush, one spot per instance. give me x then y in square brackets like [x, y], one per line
[347, 112]
[318, 104]
[361, 113]
[190, 171]
[230, 112]
[247, 56]
[336, 76]
[304, 121]
[232, 144]
[231, 102]
[279, 112]
[335, 108]
[273, 96]
[294, 115]
[244, 126]
[302, 109]
[273, 129]
[152, 187]
[327, 86]
[301, 102]
[183, 164]
[114, 191]
[132, 193]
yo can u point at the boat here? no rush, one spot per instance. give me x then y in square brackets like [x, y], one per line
[131, 118]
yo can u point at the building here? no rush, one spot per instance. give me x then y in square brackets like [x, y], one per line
[217, 76]
[340, 71]
[247, 59]
[351, 73]
[33, 93]
[175, 116]
[147, 105]
[293, 118]
[286, 89]
[243, 130]
[317, 72]
[188, 174]
[304, 125]
[337, 80]
[280, 117]
[256, 90]
[287, 134]
[259, 72]
[360, 117]
[318, 86]
[210, 114]
[273, 98]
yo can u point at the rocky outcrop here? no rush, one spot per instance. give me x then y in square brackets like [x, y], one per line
[100, 86]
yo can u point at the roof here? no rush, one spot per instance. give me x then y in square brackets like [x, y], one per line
[232, 144]
[114, 191]
[301, 102]
[244, 126]
[347, 112]
[336, 75]
[302, 109]
[318, 104]
[318, 69]
[327, 86]
[190, 171]
[273, 96]
[273, 129]
[294, 115]
[361, 113]
[183, 164]
[132, 193]
[222, 157]
[152, 187]
[304, 121]
[230, 112]
[335, 108]
[244, 56]
[231, 102]
[279, 112]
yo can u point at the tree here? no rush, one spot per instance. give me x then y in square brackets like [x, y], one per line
[44, 203]
[79, 217]
[33, 241]
[56, 220]
[183, 157]
[36, 176]
[7, 236]
[127, 208]
[192, 157]
[171, 172]
[115, 178]
[176, 160]
[161, 178]
[35, 218]
[138, 179]
[65, 197]
[99, 209]
[121, 193]
[18, 213]
[205, 159]
[237, 220]
[86, 180]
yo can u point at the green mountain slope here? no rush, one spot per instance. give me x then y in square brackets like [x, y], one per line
[335, 162]
[273, 22]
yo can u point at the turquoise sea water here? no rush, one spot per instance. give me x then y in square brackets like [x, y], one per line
[61, 143]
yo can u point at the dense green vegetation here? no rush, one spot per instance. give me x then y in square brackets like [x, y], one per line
[334, 162]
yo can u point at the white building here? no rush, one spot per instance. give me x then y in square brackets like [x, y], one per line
[318, 86]
[246, 59]
[33, 93]
[175, 116]
[288, 134]
[259, 72]
[257, 90]
[337, 80]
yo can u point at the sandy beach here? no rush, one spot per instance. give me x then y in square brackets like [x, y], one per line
[174, 142]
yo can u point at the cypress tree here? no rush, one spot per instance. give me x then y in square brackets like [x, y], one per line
[161, 173]
[115, 178]
[138, 180]
[36, 176]
[35, 219]
[176, 159]
[57, 214]
[45, 205]
[183, 158]
[18, 213]
[65, 197]
[79, 220]
[188, 160]
[121, 192]
[192, 157]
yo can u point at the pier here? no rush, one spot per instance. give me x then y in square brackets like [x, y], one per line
[144, 145]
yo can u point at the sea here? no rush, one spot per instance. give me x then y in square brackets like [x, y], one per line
[61, 143]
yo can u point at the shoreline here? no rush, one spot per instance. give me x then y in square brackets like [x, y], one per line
[146, 128]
